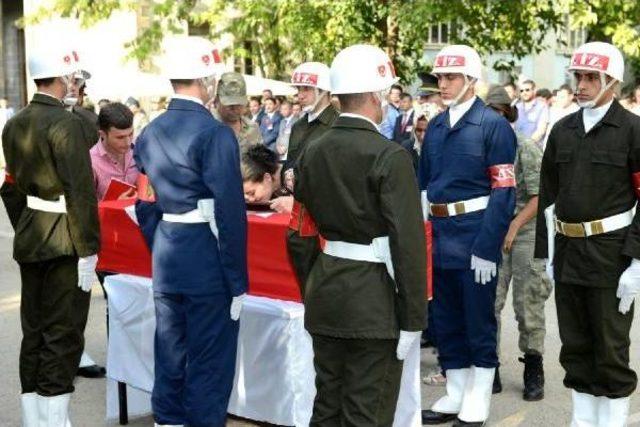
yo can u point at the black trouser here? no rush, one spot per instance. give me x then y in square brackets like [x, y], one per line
[53, 312]
[357, 382]
[595, 341]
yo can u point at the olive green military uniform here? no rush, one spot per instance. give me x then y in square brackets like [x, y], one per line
[89, 124]
[357, 186]
[47, 157]
[531, 286]
[249, 133]
[589, 177]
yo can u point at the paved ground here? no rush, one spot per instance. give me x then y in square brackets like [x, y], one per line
[88, 405]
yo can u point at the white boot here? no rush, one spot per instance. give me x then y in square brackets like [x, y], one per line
[452, 401]
[476, 399]
[54, 410]
[585, 410]
[613, 412]
[29, 404]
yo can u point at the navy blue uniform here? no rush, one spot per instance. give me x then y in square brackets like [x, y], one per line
[455, 165]
[188, 156]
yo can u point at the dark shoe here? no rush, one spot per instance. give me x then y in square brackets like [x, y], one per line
[459, 423]
[93, 371]
[430, 417]
[533, 377]
[497, 384]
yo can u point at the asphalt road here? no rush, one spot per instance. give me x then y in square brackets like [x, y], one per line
[88, 403]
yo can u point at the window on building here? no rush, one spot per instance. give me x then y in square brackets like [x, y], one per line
[439, 34]
[572, 38]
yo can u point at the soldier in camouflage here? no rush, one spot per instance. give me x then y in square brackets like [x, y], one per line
[531, 287]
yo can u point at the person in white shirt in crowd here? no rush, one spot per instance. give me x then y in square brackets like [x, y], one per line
[563, 106]
[533, 113]
[288, 119]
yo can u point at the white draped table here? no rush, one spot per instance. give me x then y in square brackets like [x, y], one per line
[274, 379]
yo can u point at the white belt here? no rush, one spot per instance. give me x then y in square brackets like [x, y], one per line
[38, 204]
[378, 251]
[204, 213]
[191, 217]
[599, 226]
[458, 208]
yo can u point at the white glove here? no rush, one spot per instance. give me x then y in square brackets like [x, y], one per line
[485, 270]
[628, 286]
[405, 342]
[87, 272]
[131, 213]
[236, 306]
[549, 269]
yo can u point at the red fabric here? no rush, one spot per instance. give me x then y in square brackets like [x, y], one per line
[502, 176]
[301, 221]
[428, 231]
[635, 178]
[270, 272]
[8, 178]
[145, 190]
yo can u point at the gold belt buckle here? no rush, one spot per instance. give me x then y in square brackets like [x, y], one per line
[596, 227]
[439, 210]
[459, 208]
[572, 230]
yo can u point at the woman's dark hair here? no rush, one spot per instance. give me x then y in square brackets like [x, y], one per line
[256, 161]
[115, 115]
[508, 111]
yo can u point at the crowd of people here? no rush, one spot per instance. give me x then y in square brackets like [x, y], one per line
[524, 187]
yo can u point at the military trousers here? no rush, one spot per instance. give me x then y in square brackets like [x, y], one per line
[595, 341]
[464, 320]
[195, 358]
[53, 313]
[357, 382]
[530, 289]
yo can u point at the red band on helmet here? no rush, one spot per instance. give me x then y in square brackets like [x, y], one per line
[305, 79]
[502, 176]
[635, 179]
[216, 56]
[8, 178]
[449, 61]
[593, 61]
[301, 221]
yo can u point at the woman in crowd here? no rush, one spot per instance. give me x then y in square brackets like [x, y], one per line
[261, 175]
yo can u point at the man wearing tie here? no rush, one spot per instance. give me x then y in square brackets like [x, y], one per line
[404, 122]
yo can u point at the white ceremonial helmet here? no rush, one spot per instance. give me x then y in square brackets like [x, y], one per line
[458, 59]
[53, 61]
[190, 58]
[600, 57]
[361, 68]
[311, 74]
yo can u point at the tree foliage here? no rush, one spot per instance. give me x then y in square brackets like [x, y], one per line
[278, 34]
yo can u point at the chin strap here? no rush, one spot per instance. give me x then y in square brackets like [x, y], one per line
[455, 101]
[604, 86]
[311, 108]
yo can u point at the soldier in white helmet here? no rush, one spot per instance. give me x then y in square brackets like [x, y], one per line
[365, 294]
[51, 202]
[199, 247]
[589, 187]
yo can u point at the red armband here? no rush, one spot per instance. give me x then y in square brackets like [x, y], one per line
[502, 176]
[635, 179]
[301, 221]
[8, 178]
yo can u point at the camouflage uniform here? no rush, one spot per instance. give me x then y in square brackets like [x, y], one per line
[249, 132]
[531, 287]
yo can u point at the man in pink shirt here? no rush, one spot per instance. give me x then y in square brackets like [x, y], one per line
[112, 156]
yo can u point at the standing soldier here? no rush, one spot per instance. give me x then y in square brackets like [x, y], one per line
[311, 79]
[591, 177]
[52, 205]
[466, 167]
[75, 104]
[199, 248]
[531, 288]
[365, 295]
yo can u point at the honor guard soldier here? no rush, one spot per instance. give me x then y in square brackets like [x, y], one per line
[52, 205]
[75, 104]
[199, 247]
[365, 295]
[590, 177]
[466, 168]
[311, 79]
